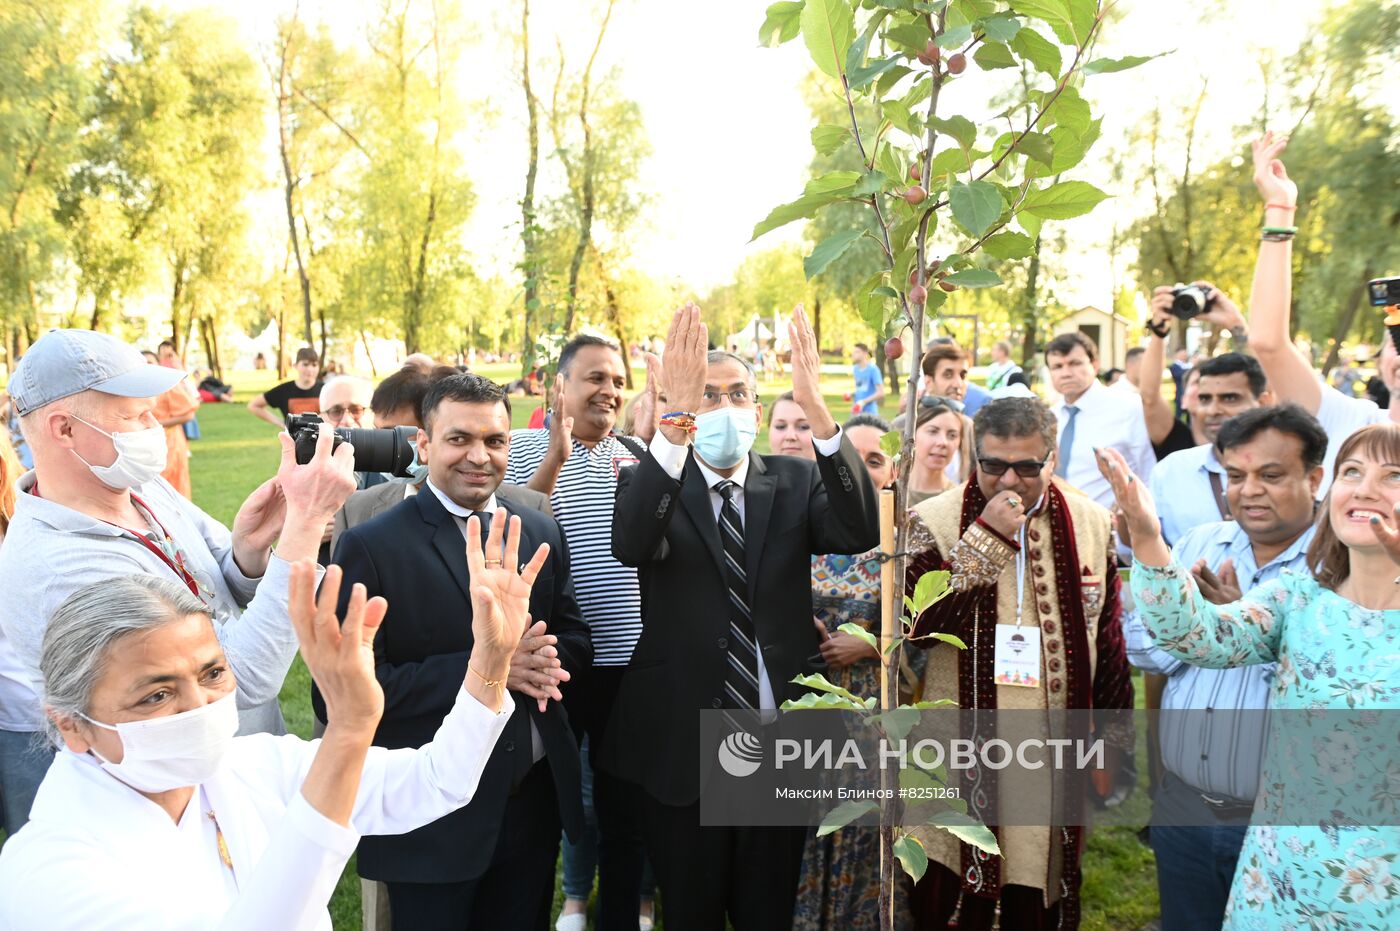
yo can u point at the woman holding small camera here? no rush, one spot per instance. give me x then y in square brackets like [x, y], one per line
[154, 815]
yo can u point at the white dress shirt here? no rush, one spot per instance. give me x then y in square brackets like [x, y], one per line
[1123, 386]
[671, 458]
[1106, 419]
[96, 854]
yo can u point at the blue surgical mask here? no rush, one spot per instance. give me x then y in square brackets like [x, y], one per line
[417, 470]
[725, 435]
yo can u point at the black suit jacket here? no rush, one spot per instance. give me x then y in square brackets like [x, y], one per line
[415, 556]
[793, 508]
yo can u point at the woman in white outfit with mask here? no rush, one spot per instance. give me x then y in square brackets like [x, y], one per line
[155, 816]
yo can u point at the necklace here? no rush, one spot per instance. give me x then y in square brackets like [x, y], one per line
[224, 856]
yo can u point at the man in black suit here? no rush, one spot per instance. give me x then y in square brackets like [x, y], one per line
[489, 865]
[722, 540]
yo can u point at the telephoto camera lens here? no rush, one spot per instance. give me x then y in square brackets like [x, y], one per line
[389, 451]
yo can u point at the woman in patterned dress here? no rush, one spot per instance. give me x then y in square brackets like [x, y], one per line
[840, 885]
[1335, 634]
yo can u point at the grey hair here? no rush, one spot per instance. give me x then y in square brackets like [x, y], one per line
[1007, 418]
[721, 355]
[81, 632]
[363, 384]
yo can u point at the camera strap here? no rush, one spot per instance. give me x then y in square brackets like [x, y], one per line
[1221, 502]
[166, 550]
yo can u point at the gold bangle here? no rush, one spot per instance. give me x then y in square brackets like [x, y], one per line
[490, 683]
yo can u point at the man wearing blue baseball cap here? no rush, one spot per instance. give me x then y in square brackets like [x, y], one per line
[95, 507]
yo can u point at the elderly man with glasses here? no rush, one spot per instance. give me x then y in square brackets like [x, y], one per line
[722, 540]
[1035, 598]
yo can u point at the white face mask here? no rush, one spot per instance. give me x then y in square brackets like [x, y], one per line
[140, 457]
[174, 751]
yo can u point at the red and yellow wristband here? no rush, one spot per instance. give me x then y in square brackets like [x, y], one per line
[681, 420]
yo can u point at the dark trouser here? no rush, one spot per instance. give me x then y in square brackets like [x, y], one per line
[24, 761]
[517, 890]
[938, 897]
[617, 804]
[1195, 865]
[749, 874]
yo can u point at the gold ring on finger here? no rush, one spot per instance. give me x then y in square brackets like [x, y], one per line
[492, 562]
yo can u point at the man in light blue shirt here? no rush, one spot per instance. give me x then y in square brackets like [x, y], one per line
[1272, 457]
[870, 384]
[1189, 486]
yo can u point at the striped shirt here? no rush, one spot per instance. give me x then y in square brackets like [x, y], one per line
[1216, 753]
[582, 499]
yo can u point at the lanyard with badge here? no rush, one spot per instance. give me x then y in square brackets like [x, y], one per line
[167, 552]
[1016, 660]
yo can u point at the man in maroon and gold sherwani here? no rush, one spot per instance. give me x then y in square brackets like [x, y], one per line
[1065, 652]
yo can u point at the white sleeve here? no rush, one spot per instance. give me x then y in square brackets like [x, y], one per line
[1342, 416]
[289, 887]
[829, 446]
[406, 789]
[668, 455]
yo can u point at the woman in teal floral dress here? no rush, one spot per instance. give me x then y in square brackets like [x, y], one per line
[1335, 634]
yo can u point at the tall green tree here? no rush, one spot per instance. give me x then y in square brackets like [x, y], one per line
[48, 57]
[313, 89]
[171, 154]
[412, 197]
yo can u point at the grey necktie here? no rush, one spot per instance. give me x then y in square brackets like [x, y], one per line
[1066, 442]
[741, 678]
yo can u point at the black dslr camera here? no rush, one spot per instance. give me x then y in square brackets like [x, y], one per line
[390, 451]
[1189, 301]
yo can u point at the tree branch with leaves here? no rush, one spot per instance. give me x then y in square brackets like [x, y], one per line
[894, 58]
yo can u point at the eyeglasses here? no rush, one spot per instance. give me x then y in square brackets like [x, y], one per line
[1026, 468]
[739, 396]
[337, 412]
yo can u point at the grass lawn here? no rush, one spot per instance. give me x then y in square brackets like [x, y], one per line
[238, 451]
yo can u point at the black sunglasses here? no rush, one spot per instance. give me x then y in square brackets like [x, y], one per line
[1026, 468]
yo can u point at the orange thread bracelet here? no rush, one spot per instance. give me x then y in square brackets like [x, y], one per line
[490, 683]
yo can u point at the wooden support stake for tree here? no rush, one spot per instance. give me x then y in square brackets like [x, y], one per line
[889, 699]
